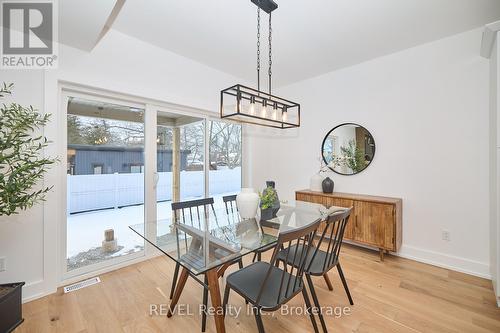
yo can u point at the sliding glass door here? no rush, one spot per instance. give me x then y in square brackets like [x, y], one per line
[105, 181]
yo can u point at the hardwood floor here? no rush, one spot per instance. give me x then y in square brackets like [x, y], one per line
[397, 295]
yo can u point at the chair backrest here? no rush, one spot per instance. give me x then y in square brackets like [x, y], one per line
[230, 203]
[331, 239]
[183, 211]
[298, 244]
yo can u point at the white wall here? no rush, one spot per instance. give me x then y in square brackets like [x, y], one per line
[494, 167]
[119, 63]
[427, 108]
[21, 241]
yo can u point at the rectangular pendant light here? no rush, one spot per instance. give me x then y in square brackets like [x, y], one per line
[248, 105]
[253, 106]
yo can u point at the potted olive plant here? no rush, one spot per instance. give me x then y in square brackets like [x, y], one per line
[22, 168]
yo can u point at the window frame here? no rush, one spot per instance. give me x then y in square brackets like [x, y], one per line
[56, 211]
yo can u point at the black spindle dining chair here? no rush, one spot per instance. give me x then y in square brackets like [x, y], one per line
[320, 262]
[192, 213]
[230, 203]
[267, 287]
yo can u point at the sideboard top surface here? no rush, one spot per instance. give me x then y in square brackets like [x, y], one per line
[352, 196]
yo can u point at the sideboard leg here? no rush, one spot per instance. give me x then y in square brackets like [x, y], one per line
[381, 252]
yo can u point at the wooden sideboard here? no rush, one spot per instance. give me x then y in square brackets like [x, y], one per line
[375, 221]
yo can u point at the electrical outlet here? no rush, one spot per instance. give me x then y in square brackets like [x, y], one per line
[3, 264]
[445, 235]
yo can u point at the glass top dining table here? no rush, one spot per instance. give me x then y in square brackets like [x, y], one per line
[209, 241]
[218, 236]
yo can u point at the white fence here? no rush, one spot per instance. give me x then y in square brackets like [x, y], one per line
[93, 192]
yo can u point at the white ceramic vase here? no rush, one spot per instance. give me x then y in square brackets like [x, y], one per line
[315, 183]
[248, 203]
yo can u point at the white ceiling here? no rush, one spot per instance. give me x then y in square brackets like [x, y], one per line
[309, 37]
[81, 22]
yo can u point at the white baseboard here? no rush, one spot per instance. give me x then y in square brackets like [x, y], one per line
[453, 263]
[458, 264]
[34, 290]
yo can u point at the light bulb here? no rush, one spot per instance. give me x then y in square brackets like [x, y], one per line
[263, 112]
[275, 111]
[284, 115]
[252, 106]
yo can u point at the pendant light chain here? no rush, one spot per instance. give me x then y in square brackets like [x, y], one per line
[270, 53]
[258, 47]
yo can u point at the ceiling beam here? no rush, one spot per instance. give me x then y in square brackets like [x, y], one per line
[489, 37]
[111, 19]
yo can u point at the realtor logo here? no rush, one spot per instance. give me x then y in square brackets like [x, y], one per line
[28, 34]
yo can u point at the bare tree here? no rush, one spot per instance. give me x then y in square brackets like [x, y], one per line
[225, 144]
[192, 139]
[97, 131]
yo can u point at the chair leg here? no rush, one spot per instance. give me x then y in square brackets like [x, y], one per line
[205, 303]
[328, 282]
[258, 319]
[316, 302]
[240, 263]
[226, 298]
[259, 256]
[174, 280]
[344, 282]
[309, 308]
[254, 257]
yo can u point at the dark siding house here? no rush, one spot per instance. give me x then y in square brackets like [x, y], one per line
[89, 159]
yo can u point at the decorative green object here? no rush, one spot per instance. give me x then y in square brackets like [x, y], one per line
[267, 198]
[353, 156]
[22, 165]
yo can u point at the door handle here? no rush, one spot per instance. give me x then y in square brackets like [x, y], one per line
[157, 179]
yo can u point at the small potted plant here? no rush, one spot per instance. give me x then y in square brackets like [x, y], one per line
[267, 199]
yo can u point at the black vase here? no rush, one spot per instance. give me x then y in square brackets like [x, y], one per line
[266, 214]
[327, 185]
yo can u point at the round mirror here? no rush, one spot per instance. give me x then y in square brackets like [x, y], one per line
[348, 149]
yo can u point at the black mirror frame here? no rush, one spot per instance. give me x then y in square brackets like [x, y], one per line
[326, 136]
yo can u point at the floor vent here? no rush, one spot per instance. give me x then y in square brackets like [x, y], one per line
[81, 284]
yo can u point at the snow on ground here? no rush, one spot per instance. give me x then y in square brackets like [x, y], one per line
[86, 230]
